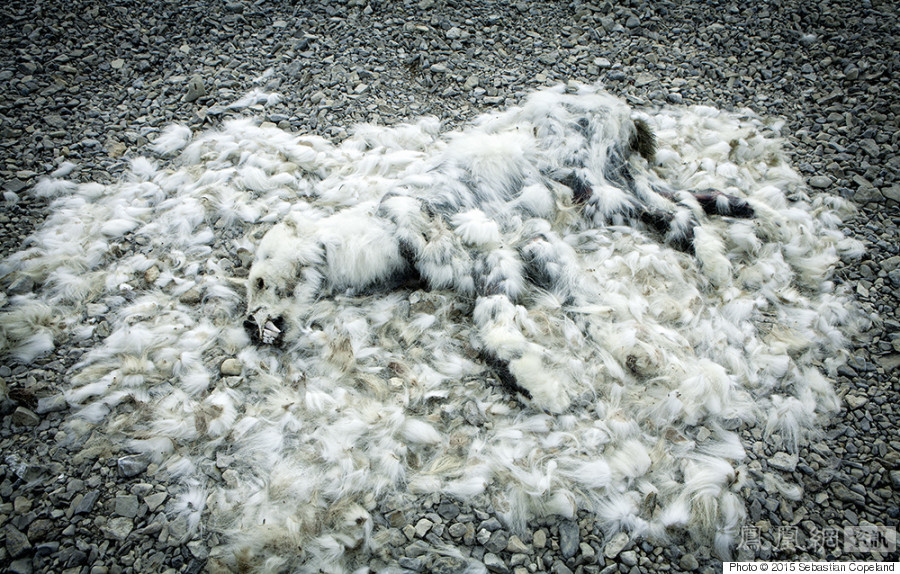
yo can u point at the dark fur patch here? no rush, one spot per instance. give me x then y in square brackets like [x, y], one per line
[643, 141]
[500, 368]
[736, 207]
[581, 191]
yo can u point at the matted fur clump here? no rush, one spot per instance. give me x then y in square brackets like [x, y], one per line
[582, 332]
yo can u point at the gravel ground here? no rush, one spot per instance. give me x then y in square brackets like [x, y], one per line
[92, 83]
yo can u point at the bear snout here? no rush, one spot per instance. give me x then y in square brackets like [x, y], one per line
[265, 329]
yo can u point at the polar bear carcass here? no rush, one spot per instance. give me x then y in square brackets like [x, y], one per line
[487, 213]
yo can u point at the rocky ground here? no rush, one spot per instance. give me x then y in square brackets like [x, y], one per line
[92, 83]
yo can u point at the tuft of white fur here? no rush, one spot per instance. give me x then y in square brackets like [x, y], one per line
[476, 229]
[173, 138]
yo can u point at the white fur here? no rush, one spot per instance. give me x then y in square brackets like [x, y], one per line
[375, 397]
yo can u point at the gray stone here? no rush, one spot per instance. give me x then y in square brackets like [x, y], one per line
[14, 185]
[191, 297]
[17, 543]
[483, 536]
[843, 493]
[22, 505]
[632, 22]
[494, 564]
[895, 479]
[516, 546]
[24, 417]
[587, 551]
[449, 565]
[198, 549]
[86, 504]
[22, 566]
[855, 401]
[783, 461]
[867, 194]
[548, 58]
[892, 192]
[118, 528]
[414, 564]
[194, 89]
[497, 542]
[644, 79]
[46, 548]
[615, 545]
[448, 510]
[869, 146]
[51, 404]
[689, 562]
[559, 567]
[470, 83]
[539, 539]
[127, 505]
[423, 526]
[629, 557]
[458, 530]
[569, 538]
[820, 181]
[132, 465]
[230, 367]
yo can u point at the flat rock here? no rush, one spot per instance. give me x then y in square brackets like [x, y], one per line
[230, 367]
[891, 263]
[24, 417]
[86, 504]
[497, 542]
[892, 192]
[127, 505]
[895, 479]
[132, 465]
[644, 79]
[569, 537]
[688, 562]
[843, 493]
[423, 526]
[855, 401]
[51, 404]
[494, 564]
[615, 545]
[153, 501]
[516, 546]
[17, 543]
[449, 565]
[783, 461]
[194, 90]
[118, 528]
[820, 181]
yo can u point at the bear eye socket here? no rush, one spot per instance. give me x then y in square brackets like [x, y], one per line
[260, 284]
